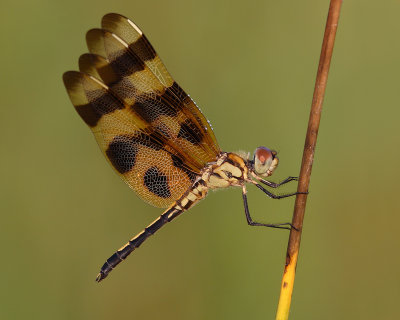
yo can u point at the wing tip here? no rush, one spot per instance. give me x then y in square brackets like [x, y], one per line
[70, 78]
[112, 20]
[112, 16]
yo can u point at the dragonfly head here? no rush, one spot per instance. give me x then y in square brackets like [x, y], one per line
[265, 161]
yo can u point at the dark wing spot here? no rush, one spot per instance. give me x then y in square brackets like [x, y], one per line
[143, 49]
[122, 153]
[175, 96]
[178, 92]
[157, 183]
[88, 114]
[185, 101]
[190, 132]
[99, 104]
[126, 64]
[123, 149]
[179, 164]
[150, 108]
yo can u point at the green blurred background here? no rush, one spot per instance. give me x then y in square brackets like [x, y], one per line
[251, 67]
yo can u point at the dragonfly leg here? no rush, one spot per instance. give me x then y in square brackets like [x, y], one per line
[274, 184]
[285, 225]
[274, 196]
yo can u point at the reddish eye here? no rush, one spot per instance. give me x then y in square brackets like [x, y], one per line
[265, 161]
[263, 154]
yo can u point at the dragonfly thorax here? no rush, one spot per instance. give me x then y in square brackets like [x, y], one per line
[230, 169]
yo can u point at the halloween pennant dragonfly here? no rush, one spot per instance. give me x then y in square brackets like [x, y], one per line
[152, 133]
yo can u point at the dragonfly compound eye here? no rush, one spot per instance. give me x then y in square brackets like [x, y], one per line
[265, 161]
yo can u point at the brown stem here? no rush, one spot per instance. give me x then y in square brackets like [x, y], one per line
[308, 158]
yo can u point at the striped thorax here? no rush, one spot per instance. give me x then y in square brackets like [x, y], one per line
[229, 170]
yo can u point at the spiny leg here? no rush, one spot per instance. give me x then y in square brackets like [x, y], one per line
[136, 241]
[274, 196]
[274, 184]
[253, 223]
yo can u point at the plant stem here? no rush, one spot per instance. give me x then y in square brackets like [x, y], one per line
[308, 158]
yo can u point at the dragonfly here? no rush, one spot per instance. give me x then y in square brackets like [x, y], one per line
[153, 134]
